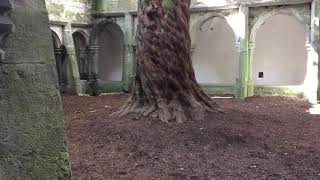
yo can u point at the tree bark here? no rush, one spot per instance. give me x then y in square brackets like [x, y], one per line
[165, 83]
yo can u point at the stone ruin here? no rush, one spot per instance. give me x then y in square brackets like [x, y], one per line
[91, 49]
[32, 135]
[240, 47]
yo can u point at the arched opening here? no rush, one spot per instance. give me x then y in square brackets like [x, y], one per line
[110, 39]
[81, 42]
[59, 52]
[214, 56]
[55, 40]
[280, 56]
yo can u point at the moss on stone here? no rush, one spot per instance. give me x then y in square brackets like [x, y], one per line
[55, 9]
[115, 5]
[59, 10]
[218, 89]
[32, 135]
[277, 91]
[110, 87]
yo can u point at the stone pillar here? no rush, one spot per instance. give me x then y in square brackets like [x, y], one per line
[128, 74]
[93, 58]
[83, 66]
[32, 135]
[93, 61]
[58, 56]
[250, 90]
[312, 77]
[242, 44]
[311, 81]
[71, 58]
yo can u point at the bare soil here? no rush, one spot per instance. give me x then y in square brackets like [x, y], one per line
[258, 138]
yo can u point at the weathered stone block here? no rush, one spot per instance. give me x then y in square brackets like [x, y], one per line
[32, 136]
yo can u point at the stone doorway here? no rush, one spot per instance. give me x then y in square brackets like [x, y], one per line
[111, 42]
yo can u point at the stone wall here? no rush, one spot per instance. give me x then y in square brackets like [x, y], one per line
[115, 6]
[214, 52]
[281, 53]
[250, 3]
[32, 136]
[75, 11]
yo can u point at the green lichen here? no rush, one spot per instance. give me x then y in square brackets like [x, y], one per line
[115, 5]
[277, 91]
[110, 87]
[218, 89]
[55, 9]
[59, 12]
[30, 105]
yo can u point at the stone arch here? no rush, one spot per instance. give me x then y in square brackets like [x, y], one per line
[214, 51]
[55, 39]
[81, 42]
[98, 26]
[59, 52]
[83, 35]
[109, 37]
[286, 11]
[279, 56]
[203, 19]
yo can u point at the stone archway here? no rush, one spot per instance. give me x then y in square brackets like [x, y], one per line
[80, 40]
[59, 52]
[280, 57]
[55, 40]
[215, 53]
[110, 40]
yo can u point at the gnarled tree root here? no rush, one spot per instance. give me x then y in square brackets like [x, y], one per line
[167, 112]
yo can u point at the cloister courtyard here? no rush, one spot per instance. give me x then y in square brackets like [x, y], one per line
[256, 138]
[159, 89]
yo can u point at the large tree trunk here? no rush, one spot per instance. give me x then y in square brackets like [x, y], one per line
[165, 84]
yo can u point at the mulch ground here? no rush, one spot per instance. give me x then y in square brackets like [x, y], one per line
[258, 138]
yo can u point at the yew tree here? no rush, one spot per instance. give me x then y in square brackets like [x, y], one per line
[165, 84]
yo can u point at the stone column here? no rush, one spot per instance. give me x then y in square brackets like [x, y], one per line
[128, 76]
[58, 56]
[242, 44]
[85, 63]
[315, 30]
[93, 61]
[71, 58]
[312, 78]
[311, 81]
[82, 62]
[93, 58]
[250, 90]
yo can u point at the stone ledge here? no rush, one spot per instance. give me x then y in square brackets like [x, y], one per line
[222, 4]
